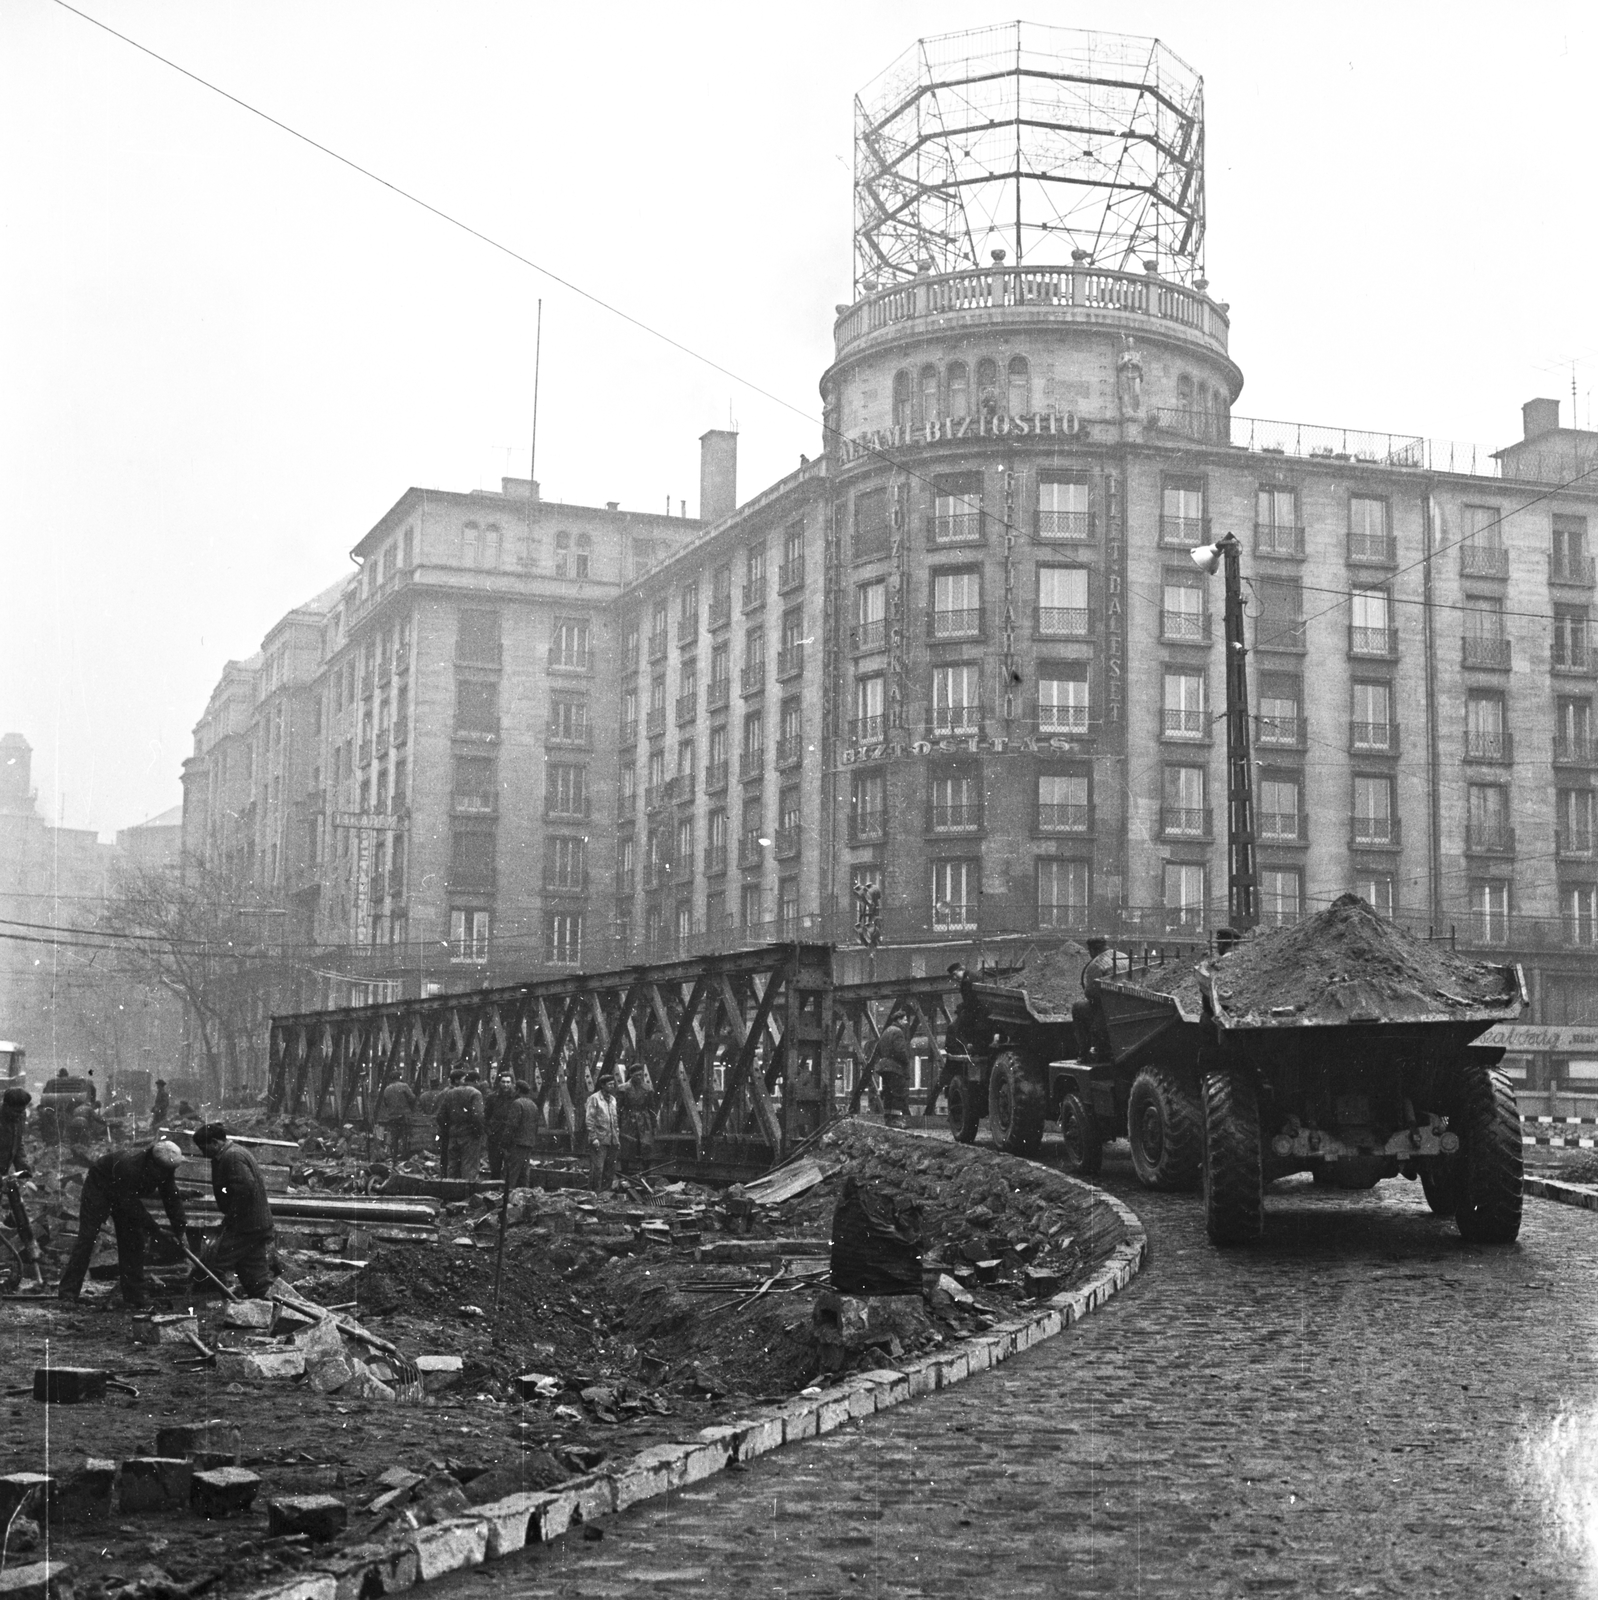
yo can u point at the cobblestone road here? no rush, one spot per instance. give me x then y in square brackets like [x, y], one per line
[1360, 1405]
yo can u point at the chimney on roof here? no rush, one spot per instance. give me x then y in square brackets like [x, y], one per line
[1540, 417]
[519, 488]
[718, 474]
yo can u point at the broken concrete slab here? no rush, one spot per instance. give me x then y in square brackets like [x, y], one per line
[174, 1329]
[256, 1365]
[212, 1443]
[318, 1516]
[223, 1491]
[509, 1521]
[38, 1580]
[328, 1372]
[249, 1314]
[27, 1494]
[363, 1386]
[364, 1571]
[154, 1483]
[402, 1477]
[449, 1546]
[68, 1386]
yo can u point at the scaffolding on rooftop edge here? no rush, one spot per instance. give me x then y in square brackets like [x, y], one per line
[1037, 140]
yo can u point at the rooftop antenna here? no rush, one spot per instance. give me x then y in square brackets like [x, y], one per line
[532, 451]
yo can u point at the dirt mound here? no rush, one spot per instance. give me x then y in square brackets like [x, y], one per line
[1052, 978]
[1348, 965]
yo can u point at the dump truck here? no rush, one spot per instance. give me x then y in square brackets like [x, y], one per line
[1349, 1056]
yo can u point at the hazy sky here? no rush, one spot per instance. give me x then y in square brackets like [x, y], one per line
[225, 355]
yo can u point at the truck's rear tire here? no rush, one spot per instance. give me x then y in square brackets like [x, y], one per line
[1084, 1140]
[1017, 1104]
[1439, 1182]
[1165, 1129]
[965, 1108]
[1487, 1192]
[1234, 1180]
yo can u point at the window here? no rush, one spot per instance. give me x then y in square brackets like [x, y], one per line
[1486, 732]
[1063, 698]
[468, 935]
[901, 400]
[1572, 728]
[751, 911]
[1485, 644]
[720, 595]
[1578, 903]
[687, 751]
[956, 803]
[792, 571]
[788, 904]
[1281, 895]
[956, 605]
[1184, 713]
[646, 552]
[409, 547]
[1280, 813]
[791, 642]
[566, 790]
[1570, 637]
[655, 776]
[1571, 563]
[1376, 889]
[685, 845]
[1370, 623]
[477, 638]
[629, 713]
[1372, 725]
[1276, 526]
[1281, 614]
[1482, 555]
[1182, 511]
[1064, 892]
[1487, 807]
[754, 670]
[716, 757]
[868, 807]
[755, 571]
[688, 612]
[1182, 608]
[752, 823]
[959, 377]
[954, 894]
[1489, 907]
[688, 692]
[565, 938]
[1063, 602]
[471, 544]
[626, 864]
[568, 719]
[566, 864]
[569, 644]
[720, 671]
[1281, 708]
[476, 707]
[929, 394]
[790, 731]
[657, 630]
[957, 698]
[1064, 802]
[788, 819]
[1063, 510]
[754, 745]
[1369, 538]
[1019, 388]
[988, 385]
[571, 555]
[956, 508]
[471, 858]
[872, 533]
[629, 643]
[1374, 822]
[1185, 808]
[1573, 822]
[1186, 894]
[655, 723]
[871, 615]
[475, 788]
[716, 842]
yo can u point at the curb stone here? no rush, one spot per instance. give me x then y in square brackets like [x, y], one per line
[505, 1526]
[1582, 1195]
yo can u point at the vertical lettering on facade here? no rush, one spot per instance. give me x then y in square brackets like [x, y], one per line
[1114, 604]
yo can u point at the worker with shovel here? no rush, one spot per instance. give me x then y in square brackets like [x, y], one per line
[115, 1188]
[245, 1242]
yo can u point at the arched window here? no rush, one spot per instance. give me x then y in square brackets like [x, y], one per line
[581, 546]
[1020, 396]
[901, 399]
[959, 389]
[929, 394]
[988, 385]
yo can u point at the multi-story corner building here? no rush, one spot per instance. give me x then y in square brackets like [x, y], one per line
[965, 652]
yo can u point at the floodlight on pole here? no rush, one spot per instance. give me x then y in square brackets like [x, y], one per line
[1206, 557]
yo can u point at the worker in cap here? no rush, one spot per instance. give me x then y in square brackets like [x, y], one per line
[245, 1241]
[115, 1188]
[395, 1104]
[965, 1042]
[602, 1120]
[461, 1115]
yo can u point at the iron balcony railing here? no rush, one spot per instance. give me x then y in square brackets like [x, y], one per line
[718, 692]
[1576, 570]
[752, 677]
[1279, 540]
[655, 721]
[961, 817]
[956, 719]
[1184, 627]
[657, 646]
[1066, 527]
[1062, 817]
[1183, 533]
[1575, 750]
[1483, 561]
[865, 730]
[1185, 822]
[1064, 622]
[871, 635]
[1367, 832]
[1182, 723]
[1280, 733]
[1282, 827]
[1374, 738]
[1372, 549]
[791, 574]
[1484, 653]
[1483, 744]
[715, 860]
[1376, 644]
[868, 826]
[955, 527]
[715, 776]
[790, 662]
[1056, 720]
[1490, 838]
[720, 610]
[790, 752]
[962, 623]
[687, 707]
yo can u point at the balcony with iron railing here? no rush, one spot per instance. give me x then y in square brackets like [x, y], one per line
[961, 817]
[754, 596]
[568, 660]
[1179, 722]
[558, 882]
[752, 678]
[1374, 833]
[1280, 733]
[1185, 822]
[955, 527]
[1062, 722]
[1575, 750]
[654, 796]
[869, 826]
[477, 876]
[1283, 634]
[657, 646]
[1064, 622]
[958, 623]
[1575, 571]
[1489, 838]
[1063, 817]
[870, 635]
[478, 804]
[1373, 738]
[750, 850]
[1482, 744]
[752, 763]
[956, 721]
[866, 730]
[688, 632]
[1372, 549]
[785, 843]
[791, 575]
[1372, 644]
[655, 721]
[1184, 627]
[790, 753]
[1278, 540]
[1064, 527]
[568, 735]
[1183, 533]
[687, 707]
[720, 613]
[628, 732]
[715, 776]
[715, 860]
[1485, 654]
[718, 692]
[1483, 561]
[1282, 827]
[790, 662]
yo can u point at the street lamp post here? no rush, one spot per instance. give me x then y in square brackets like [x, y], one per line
[1242, 885]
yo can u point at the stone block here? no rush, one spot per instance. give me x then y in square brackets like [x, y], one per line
[552, 1516]
[84, 1493]
[38, 1580]
[401, 1478]
[508, 1522]
[68, 1386]
[862, 1400]
[799, 1420]
[321, 1338]
[891, 1386]
[258, 1314]
[158, 1330]
[223, 1491]
[388, 1498]
[832, 1412]
[532, 1385]
[953, 1368]
[922, 1376]
[319, 1516]
[639, 1481]
[303, 1586]
[703, 1461]
[449, 1546]
[758, 1436]
[363, 1386]
[327, 1373]
[286, 1320]
[29, 1494]
[154, 1483]
[364, 1571]
[253, 1366]
[216, 1443]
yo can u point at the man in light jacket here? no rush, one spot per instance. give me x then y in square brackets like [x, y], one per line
[602, 1119]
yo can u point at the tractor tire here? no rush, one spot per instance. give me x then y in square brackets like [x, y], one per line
[1165, 1129]
[1017, 1104]
[965, 1108]
[1084, 1140]
[1487, 1194]
[1439, 1183]
[1234, 1180]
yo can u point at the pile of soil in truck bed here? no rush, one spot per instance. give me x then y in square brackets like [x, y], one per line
[1345, 964]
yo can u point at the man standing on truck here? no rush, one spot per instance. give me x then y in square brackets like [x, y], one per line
[1087, 1014]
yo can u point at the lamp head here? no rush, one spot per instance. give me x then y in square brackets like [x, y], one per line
[1206, 557]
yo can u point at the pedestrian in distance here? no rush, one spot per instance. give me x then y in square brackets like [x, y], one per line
[521, 1135]
[160, 1107]
[638, 1110]
[114, 1189]
[244, 1244]
[395, 1104]
[602, 1120]
[497, 1113]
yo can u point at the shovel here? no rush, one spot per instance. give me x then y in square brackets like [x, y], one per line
[195, 1261]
